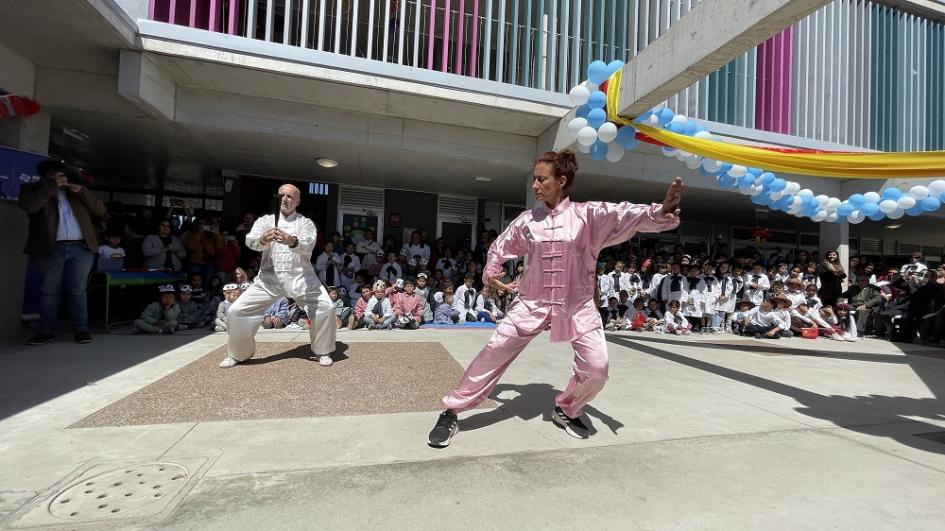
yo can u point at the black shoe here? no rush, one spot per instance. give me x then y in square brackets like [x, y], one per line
[83, 338]
[41, 339]
[757, 336]
[446, 427]
[573, 426]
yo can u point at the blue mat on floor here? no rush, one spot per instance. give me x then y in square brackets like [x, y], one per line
[459, 326]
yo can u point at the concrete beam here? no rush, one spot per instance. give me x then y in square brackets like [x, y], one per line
[146, 85]
[708, 37]
[18, 75]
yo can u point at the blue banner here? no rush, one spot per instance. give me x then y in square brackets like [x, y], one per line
[16, 168]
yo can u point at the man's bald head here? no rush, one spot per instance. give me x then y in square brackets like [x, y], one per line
[289, 198]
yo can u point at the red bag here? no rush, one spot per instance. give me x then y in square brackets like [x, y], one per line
[809, 333]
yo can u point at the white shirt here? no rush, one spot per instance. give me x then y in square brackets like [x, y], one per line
[390, 272]
[321, 267]
[68, 224]
[284, 270]
[106, 251]
[416, 250]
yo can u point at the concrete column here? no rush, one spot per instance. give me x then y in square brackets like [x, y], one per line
[836, 236]
[28, 134]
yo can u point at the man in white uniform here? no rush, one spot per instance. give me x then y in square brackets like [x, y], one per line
[284, 271]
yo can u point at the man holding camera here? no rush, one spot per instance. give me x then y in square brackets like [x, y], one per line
[62, 243]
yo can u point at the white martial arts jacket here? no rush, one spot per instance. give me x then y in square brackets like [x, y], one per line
[286, 270]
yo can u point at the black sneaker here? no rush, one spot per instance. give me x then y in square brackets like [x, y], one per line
[446, 427]
[83, 338]
[574, 427]
[41, 339]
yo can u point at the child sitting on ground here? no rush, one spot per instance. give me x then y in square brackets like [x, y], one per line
[160, 317]
[342, 312]
[635, 318]
[191, 315]
[357, 318]
[277, 315]
[675, 322]
[614, 318]
[654, 316]
[740, 317]
[230, 293]
[444, 313]
[764, 321]
[803, 317]
[487, 309]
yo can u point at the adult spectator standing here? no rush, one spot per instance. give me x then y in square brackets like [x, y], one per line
[831, 275]
[915, 266]
[416, 249]
[285, 271]
[163, 250]
[203, 245]
[62, 243]
[328, 266]
[367, 248]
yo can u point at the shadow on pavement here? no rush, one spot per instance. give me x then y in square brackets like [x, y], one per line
[302, 351]
[862, 414]
[531, 401]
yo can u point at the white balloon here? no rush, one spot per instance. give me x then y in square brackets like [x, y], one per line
[584, 149]
[738, 171]
[856, 217]
[832, 217]
[575, 126]
[704, 135]
[711, 166]
[587, 136]
[888, 205]
[896, 214]
[745, 190]
[607, 132]
[819, 216]
[822, 200]
[906, 202]
[937, 187]
[579, 95]
[654, 119]
[872, 197]
[756, 190]
[794, 187]
[615, 152]
[591, 87]
[668, 152]
[693, 162]
[919, 192]
[776, 195]
[832, 204]
[806, 192]
[679, 119]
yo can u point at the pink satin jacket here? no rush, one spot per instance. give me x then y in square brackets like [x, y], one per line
[562, 247]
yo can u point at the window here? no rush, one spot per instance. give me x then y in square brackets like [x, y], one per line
[317, 189]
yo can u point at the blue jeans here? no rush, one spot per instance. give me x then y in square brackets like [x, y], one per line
[69, 264]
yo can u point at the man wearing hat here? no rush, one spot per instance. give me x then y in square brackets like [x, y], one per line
[285, 270]
[62, 243]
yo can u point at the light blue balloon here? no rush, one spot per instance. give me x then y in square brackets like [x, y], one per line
[596, 118]
[811, 209]
[644, 118]
[857, 200]
[631, 144]
[597, 99]
[777, 185]
[691, 128]
[583, 110]
[725, 167]
[625, 134]
[891, 193]
[844, 209]
[598, 150]
[767, 178]
[761, 199]
[941, 198]
[755, 172]
[869, 208]
[615, 65]
[597, 72]
[676, 127]
[916, 210]
[666, 115]
[878, 216]
[747, 180]
[930, 204]
[726, 181]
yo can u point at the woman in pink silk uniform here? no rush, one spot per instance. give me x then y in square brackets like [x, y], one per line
[562, 240]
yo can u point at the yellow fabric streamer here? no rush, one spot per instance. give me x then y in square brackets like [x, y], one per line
[858, 165]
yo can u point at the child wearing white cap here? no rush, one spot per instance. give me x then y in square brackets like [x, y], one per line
[161, 316]
[191, 316]
[230, 293]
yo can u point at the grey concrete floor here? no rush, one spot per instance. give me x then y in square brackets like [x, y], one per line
[690, 434]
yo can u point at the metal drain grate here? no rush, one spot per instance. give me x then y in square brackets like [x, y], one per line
[111, 494]
[118, 491]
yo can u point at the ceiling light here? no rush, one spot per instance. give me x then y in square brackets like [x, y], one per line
[327, 163]
[484, 179]
[893, 226]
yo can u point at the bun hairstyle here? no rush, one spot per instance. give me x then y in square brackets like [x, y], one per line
[562, 164]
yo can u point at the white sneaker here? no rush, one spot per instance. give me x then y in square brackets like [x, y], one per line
[324, 360]
[228, 362]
